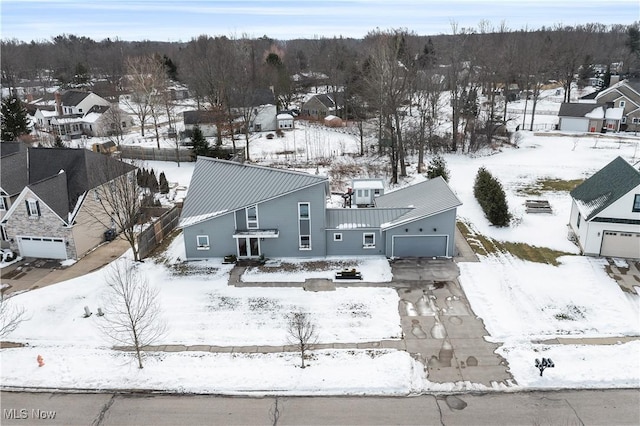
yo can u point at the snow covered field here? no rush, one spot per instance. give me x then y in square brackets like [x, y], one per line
[519, 301]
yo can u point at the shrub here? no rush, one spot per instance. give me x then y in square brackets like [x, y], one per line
[437, 167]
[164, 184]
[491, 197]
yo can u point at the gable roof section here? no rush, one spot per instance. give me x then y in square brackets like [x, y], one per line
[84, 169]
[425, 199]
[201, 116]
[605, 187]
[13, 167]
[73, 97]
[219, 186]
[577, 110]
[363, 218]
[53, 192]
[630, 84]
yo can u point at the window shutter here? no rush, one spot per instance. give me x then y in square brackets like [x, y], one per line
[26, 203]
[38, 207]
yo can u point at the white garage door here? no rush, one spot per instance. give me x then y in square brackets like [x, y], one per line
[419, 246]
[620, 244]
[43, 247]
[574, 124]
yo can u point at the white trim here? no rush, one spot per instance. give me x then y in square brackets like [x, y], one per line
[393, 237]
[252, 222]
[32, 207]
[205, 246]
[308, 210]
[364, 239]
[300, 246]
[337, 236]
[300, 219]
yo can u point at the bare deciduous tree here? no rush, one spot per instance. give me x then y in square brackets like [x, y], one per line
[132, 312]
[301, 332]
[118, 201]
[10, 316]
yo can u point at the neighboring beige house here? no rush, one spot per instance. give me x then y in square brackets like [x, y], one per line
[56, 214]
[320, 106]
[625, 95]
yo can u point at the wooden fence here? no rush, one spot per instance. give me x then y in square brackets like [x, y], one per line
[155, 154]
[157, 231]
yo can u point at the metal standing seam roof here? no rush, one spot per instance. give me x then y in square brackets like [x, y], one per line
[362, 218]
[218, 187]
[425, 199]
[605, 187]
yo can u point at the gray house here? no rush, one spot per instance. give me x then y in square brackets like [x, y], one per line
[250, 211]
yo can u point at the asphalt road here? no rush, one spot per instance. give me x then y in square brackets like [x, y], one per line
[608, 407]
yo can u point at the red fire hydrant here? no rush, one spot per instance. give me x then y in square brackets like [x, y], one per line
[40, 361]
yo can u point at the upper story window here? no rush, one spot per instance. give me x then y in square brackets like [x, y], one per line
[303, 211]
[636, 203]
[369, 240]
[3, 203]
[33, 208]
[622, 104]
[252, 217]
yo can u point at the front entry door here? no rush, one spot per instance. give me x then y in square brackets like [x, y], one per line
[248, 247]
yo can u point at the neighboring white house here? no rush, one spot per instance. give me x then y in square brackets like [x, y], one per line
[605, 212]
[285, 121]
[263, 119]
[365, 191]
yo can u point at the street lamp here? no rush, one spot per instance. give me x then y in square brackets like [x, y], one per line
[541, 365]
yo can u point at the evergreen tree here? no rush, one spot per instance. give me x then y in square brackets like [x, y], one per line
[200, 144]
[57, 142]
[140, 178]
[14, 119]
[164, 185]
[491, 197]
[438, 167]
[153, 182]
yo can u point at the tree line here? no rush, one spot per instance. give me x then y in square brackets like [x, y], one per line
[395, 78]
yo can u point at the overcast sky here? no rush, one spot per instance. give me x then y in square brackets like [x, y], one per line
[175, 20]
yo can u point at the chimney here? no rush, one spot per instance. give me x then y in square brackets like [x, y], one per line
[58, 103]
[615, 79]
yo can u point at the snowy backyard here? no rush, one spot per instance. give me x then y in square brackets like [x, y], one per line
[521, 302]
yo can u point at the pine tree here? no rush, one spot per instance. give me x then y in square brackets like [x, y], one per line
[57, 142]
[438, 167]
[153, 182]
[14, 120]
[491, 197]
[200, 144]
[164, 185]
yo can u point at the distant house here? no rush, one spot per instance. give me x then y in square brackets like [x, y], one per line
[285, 121]
[624, 95]
[320, 106]
[252, 211]
[261, 103]
[79, 113]
[53, 199]
[605, 212]
[589, 117]
[204, 119]
[365, 191]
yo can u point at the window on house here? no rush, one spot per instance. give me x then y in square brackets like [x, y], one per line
[33, 208]
[376, 192]
[636, 203]
[304, 226]
[337, 236]
[202, 242]
[3, 203]
[3, 233]
[623, 120]
[79, 109]
[578, 221]
[303, 211]
[252, 217]
[366, 193]
[369, 240]
[635, 120]
[124, 124]
[622, 104]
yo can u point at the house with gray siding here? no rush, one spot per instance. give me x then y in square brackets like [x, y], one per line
[252, 211]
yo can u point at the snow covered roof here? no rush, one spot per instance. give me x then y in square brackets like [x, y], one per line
[367, 184]
[596, 113]
[284, 117]
[605, 187]
[92, 117]
[614, 113]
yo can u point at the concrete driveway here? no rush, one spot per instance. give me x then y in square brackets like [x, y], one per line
[30, 273]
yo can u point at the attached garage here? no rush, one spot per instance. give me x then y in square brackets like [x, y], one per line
[42, 247]
[420, 245]
[574, 124]
[620, 244]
